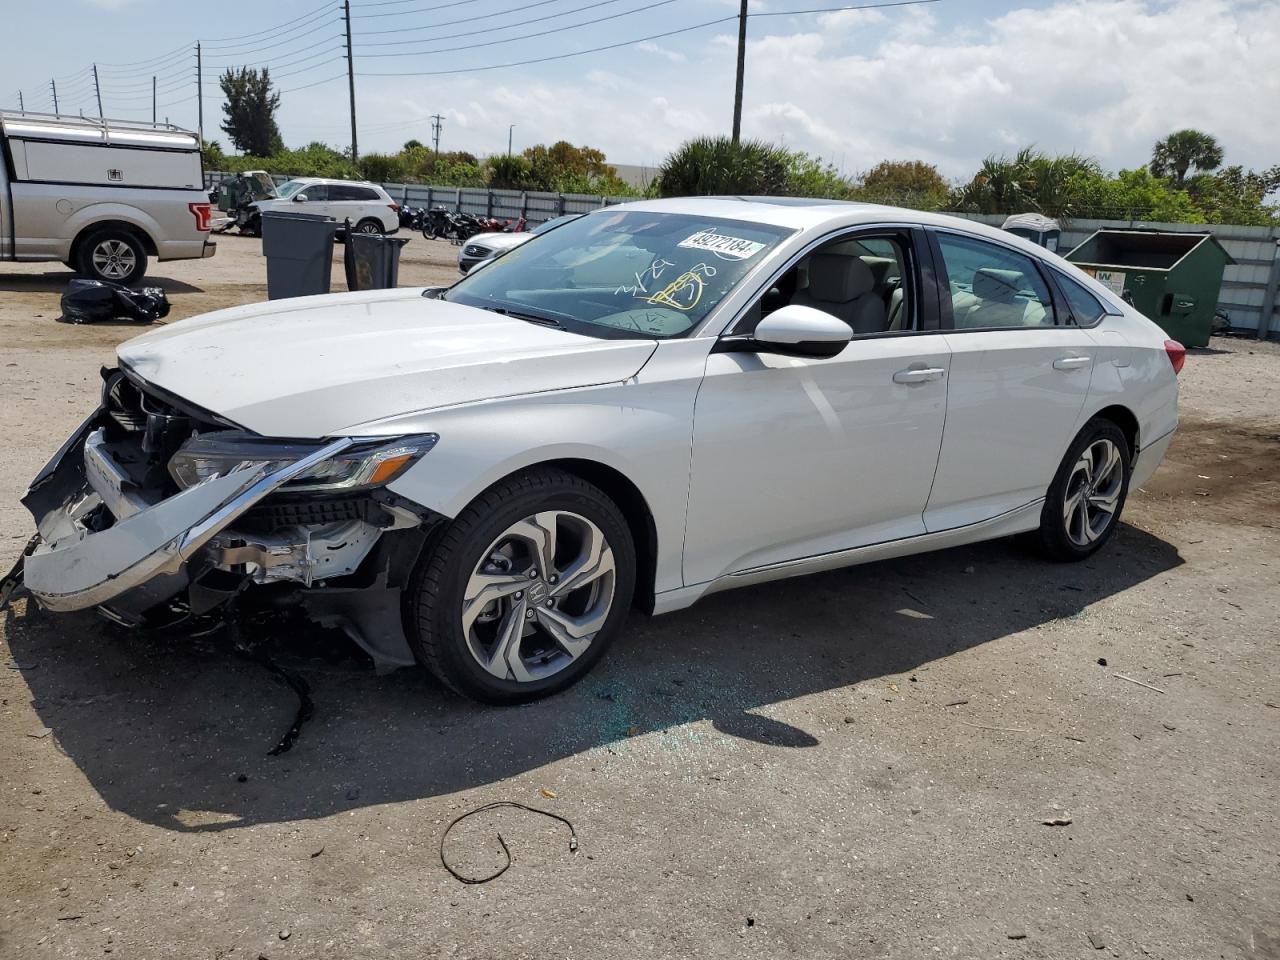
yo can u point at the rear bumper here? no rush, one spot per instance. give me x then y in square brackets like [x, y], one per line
[77, 565]
[1149, 458]
[210, 248]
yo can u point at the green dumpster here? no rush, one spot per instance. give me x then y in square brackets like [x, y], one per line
[1173, 278]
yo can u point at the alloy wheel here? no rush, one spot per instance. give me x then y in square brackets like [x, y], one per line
[1093, 492]
[114, 259]
[538, 596]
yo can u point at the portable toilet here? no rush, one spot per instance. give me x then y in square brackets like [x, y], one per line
[1173, 278]
[1044, 231]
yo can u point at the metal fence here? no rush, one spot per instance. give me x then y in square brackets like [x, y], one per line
[1248, 286]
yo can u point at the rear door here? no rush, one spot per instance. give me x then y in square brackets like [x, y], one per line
[1020, 373]
[349, 201]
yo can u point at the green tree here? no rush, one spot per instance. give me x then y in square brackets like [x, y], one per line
[1029, 181]
[813, 177]
[1183, 151]
[509, 173]
[904, 183]
[717, 165]
[250, 111]
[1236, 195]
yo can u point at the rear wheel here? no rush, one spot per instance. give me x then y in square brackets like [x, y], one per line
[113, 256]
[525, 590]
[1083, 505]
[369, 225]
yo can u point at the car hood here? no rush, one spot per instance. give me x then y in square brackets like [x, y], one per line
[499, 241]
[314, 366]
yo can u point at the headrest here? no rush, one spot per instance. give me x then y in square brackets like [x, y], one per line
[1000, 286]
[837, 279]
[879, 267]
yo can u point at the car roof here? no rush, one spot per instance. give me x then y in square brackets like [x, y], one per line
[811, 213]
[358, 183]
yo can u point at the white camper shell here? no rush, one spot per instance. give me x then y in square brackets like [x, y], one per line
[99, 195]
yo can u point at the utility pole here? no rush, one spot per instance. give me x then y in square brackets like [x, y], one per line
[153, 98]
[742, 69]
[22, 107]
[97, 90]
[351, 81]
[200, 94]
[509, 130]
[437, 122]
[54, 84]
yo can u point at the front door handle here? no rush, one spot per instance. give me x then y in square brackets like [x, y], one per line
[919, 374]
[1071, 363]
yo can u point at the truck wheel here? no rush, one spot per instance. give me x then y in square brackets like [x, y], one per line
[525, 589]
[113, 256]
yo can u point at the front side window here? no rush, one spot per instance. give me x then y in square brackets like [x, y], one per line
[289, 188]
[864, 280]
[621, 274]
[993, 287]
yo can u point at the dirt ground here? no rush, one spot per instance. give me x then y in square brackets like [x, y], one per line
[855, 764]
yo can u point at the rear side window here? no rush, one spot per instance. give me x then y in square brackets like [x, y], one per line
[344, 192]
[992, 286]
[1084, 306]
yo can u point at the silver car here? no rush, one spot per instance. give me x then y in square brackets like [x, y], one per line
[486, 246]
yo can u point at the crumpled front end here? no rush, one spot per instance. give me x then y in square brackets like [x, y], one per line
[154, 508]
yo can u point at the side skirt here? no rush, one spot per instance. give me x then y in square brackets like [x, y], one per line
[1018, 520]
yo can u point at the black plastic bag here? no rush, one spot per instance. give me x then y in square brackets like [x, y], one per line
[91, 301]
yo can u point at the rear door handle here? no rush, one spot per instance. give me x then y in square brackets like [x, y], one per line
[919, 374]
[1071, 363]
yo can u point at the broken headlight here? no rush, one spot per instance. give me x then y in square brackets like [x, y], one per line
[367, 465]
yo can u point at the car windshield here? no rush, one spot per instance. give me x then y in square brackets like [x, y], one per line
[622, 274]
[289, 188]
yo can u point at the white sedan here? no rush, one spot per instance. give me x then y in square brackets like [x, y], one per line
[652, 403]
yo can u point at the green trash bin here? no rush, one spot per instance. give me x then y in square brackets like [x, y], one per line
[299, 252]
[1173, 278]
[372, 260]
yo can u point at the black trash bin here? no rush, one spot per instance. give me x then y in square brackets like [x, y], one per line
[372, 260]
[299, 252]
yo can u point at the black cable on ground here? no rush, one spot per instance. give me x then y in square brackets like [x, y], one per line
[573, 838]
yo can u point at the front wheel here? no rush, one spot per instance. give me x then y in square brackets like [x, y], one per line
[525, 589]
[1083, 505]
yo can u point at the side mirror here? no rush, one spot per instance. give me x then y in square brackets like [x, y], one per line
[299, 198]
[792, 331]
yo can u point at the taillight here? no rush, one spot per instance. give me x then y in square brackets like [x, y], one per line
[1177, 354]
[203, 212]
[395, 207]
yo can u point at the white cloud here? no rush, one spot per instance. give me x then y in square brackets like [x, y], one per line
[1102, 77]
[675, 56]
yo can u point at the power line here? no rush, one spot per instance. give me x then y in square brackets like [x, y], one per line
[449, 23]
[271, 46]
[525, 36]
[272, 29]
[482, 30]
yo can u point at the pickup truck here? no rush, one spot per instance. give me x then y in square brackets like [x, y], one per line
[100, 196]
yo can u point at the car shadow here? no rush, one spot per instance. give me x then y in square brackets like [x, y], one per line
[56, 282]
[176, 733]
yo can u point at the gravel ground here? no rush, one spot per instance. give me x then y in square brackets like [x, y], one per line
[855, 764]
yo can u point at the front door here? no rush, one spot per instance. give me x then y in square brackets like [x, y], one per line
[1019, 377]
[799, 457]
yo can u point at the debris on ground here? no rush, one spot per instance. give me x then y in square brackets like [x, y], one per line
[92, 301]
[1141, 683]
[497, 805]
[956, 703]
[40, 733]
[1102, 661]
[914, 614]
[1096, 941]
[549, 794]
[1057, 822]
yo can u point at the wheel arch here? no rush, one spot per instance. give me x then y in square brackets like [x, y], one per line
[1125, 419]
[622, 491]
[133, 229]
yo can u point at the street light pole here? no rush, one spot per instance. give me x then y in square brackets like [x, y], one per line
[509, 130]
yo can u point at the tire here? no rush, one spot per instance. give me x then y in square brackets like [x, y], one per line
[451, 635]
[369, 225]
[1094, 476]
[112, 256]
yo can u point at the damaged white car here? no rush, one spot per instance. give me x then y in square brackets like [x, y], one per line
[649, 404]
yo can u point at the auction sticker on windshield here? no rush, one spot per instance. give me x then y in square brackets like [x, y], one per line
[729, 248]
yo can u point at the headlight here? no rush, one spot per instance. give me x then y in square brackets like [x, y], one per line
[367, 465]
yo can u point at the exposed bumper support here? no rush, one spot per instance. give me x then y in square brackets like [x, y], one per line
[74, 568]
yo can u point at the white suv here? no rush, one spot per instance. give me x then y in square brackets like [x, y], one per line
[369, 208]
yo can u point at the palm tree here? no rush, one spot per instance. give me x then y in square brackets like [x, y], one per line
[1179, 152]
[717, 165]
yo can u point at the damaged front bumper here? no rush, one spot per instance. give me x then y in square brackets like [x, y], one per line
[77, 565]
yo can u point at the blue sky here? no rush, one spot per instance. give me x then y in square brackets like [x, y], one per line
[947, 82]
